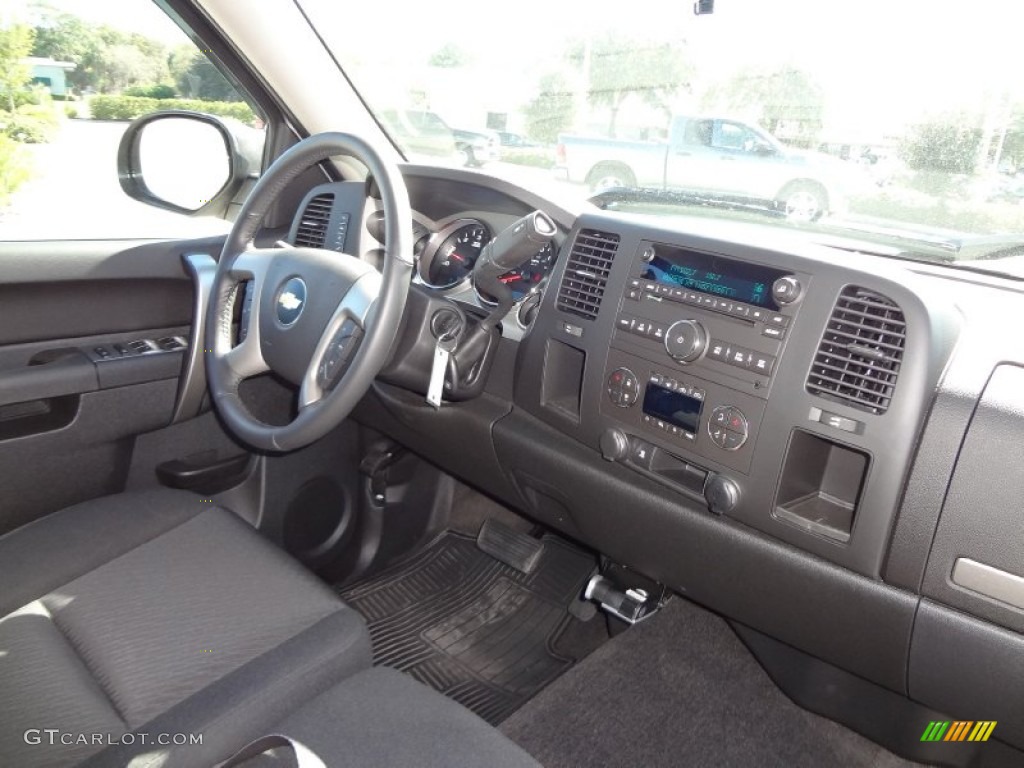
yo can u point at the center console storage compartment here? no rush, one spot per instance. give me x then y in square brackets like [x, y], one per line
[821, 485]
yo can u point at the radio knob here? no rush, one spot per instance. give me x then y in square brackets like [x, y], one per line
[786, 290]
[686, 340]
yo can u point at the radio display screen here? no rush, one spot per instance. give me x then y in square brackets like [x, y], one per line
[714, 275]
[674, 408]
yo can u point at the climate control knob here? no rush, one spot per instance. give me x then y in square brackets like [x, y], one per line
[686, 340]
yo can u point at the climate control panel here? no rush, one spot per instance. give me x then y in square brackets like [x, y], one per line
[680, 410]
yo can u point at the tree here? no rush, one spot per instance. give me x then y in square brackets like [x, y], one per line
[105, 58]
[787, 95]
[15, 44]
[618, 68]
[551, 111]
[948, 144]
[197, 77]
[449, 56]
[67, 38]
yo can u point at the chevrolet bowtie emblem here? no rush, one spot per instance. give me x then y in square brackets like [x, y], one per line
[290, 301]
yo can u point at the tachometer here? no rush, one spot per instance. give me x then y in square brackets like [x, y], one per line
[529, 277]
[449, 257]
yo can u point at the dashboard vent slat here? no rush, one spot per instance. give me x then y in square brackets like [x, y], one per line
[586, 274]
[312, 229]
[861, 351]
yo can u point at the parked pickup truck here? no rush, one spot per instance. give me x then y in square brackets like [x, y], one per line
[711, 155]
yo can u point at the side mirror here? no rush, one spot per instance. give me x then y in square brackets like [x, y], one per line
[185, 162]
[764, 149]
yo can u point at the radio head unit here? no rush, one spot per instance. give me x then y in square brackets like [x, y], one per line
[713, 275]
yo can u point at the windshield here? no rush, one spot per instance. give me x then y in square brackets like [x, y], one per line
[899, 124]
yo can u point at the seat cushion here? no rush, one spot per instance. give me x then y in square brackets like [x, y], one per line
[186, 610]
[381, 718]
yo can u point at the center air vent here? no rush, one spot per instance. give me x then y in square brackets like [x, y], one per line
[586, 274]
[312, 229]
[860, 354]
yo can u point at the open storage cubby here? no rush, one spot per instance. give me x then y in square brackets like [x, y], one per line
[821, 486]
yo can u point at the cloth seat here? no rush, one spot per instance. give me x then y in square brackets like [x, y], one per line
[381, 718]
[158, 613]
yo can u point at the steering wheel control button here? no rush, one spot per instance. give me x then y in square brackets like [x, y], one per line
[623, 387]
[728, 427]
[686, 341]
[338, 354]
[290, 301]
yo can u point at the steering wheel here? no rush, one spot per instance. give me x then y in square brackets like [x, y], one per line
[322, 320]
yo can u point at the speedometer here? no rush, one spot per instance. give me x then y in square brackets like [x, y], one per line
[528, 278]
[449, 257]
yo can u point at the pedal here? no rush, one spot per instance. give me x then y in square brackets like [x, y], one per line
[517, 550]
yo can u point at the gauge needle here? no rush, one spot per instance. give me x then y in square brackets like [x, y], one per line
[454, 255]
[511, 278]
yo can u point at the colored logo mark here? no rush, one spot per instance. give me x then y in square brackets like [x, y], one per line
[959, 730]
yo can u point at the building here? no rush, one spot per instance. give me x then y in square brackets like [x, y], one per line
[52, 74]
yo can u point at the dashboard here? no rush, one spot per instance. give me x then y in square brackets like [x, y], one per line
[820, 444]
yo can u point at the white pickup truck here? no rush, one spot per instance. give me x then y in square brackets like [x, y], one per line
[715, 156]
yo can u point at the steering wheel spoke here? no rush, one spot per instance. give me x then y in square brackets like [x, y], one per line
[245, 359]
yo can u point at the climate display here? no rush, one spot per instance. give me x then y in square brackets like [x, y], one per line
[714, 275]
[675, 408]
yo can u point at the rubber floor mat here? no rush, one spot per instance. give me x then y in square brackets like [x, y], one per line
[470, 626]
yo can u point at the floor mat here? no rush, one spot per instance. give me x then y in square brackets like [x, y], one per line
[470, 626]
[681, 689]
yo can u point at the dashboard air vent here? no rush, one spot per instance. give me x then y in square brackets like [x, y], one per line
[860, 354]
[312, 229]
[586, 274]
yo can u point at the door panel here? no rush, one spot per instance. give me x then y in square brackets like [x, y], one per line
[69, 415]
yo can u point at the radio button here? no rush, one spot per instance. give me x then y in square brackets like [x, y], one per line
[740, 310]
[625, 322]
[698, 394]
[656, 331]
[774, 332]
[780, 320]
[739, 357]
[725, 306]
[762, 363]
[635, 282]
[758, 315]
[718, 350]
[633, 294]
